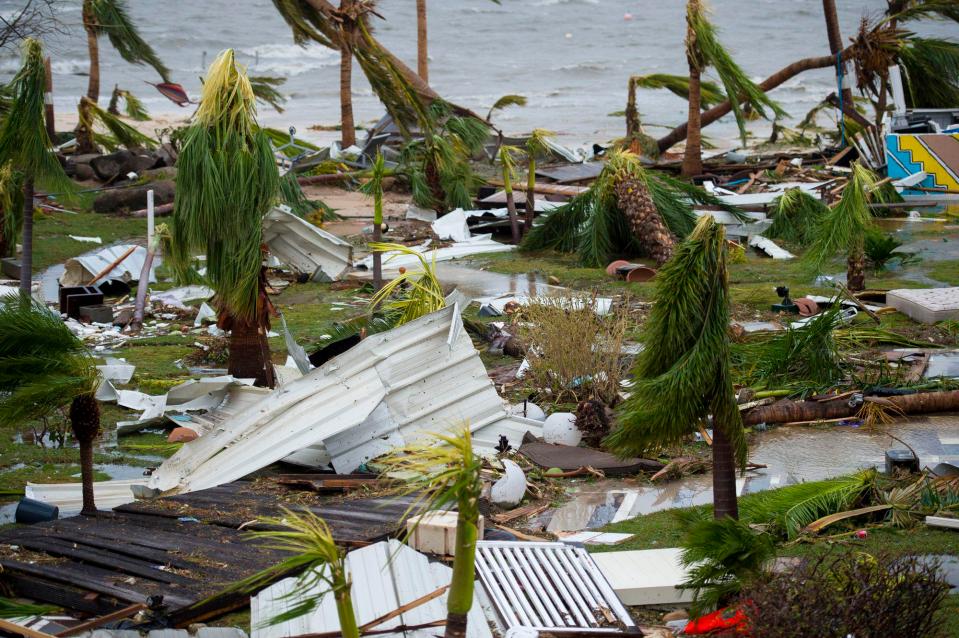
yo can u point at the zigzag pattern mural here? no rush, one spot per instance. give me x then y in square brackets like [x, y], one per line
[937, 155]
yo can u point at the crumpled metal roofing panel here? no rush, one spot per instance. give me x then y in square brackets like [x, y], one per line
[305, 247]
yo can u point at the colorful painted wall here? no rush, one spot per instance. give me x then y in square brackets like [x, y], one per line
[937, 155]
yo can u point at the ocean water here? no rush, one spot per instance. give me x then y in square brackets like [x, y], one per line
[570, 58]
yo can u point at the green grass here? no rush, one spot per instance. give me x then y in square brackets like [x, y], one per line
[946, 271]
[54, 246]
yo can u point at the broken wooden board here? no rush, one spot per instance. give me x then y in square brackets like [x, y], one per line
[566, 458]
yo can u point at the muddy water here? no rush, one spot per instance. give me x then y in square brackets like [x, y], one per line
[792, 454]
[483, 283]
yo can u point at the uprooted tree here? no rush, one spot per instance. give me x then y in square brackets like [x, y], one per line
[227, 181]
[682, 377]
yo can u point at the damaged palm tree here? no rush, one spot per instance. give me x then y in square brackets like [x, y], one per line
[133, 107]
[682, 377]
[313, 552]
[118, 133]
[43, 367]
[795, 215]
[508, 166]
[627, 211]
[843, 228]
[11, 209]
[536, 145]
[227, 181]
[412, 293]
[447, 472]
[110, 18]
[374, 188]
[25, 148]
[703, 51]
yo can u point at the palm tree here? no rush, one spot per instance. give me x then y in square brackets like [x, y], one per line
[11, 210]
[228, 180]
[842, 229]
[110, 18]
[508, 164]
[422, 43]
[44, 367]
[703, 50]
[374, 188]
[682, 376]
[835, 42]
[536, 145]
[26, 147]
[314, 553]
[446, 466]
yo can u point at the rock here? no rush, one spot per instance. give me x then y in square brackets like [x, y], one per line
[123, 317]
[119, 164]
[181, 435]
[74, 162]
[83, 173]
[511, 488]
[160, 173]
[135, 198]
[560, 427]
[678, 614]
[166, 155]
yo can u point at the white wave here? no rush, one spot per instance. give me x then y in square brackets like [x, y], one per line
[287, 59]
[552, 3]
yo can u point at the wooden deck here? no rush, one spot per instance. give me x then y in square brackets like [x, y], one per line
[186, 548]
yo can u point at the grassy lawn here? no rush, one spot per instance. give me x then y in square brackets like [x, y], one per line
[53, 244]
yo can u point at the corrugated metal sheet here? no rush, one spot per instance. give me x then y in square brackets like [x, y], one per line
[391, 389]
[79, 270]
[549, 587]
[304, 247]
[385, 577]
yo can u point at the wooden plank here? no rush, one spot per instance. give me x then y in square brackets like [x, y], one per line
[7, 626]
[126, 612]
[939, 521]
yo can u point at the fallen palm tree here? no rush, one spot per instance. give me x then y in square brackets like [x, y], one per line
[787, 411]
[627, 211]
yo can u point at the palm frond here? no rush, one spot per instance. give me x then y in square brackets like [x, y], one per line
[682, 376]
[737, 85]
[24, 142]
[794, 507]
[795, 215]
[928, 9]
[306, 23]
[227, 181]
[292, 195]
[505, 102]
[411, 294]
[931, 69]
[13, 609]
[113, 20]
[132, 105]
[711, 94]
[122, 132]
[266, 91]
[11, 206]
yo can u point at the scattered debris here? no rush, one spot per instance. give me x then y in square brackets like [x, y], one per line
[646, 577]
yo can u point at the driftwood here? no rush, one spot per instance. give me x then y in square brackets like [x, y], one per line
[810, 411]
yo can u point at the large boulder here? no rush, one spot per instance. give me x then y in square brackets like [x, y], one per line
[75, 164]
[134, 198]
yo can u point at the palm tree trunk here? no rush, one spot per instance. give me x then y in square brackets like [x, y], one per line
[633, 126]
[511, 206]
[347, 124]
[856, 271]
[250, 352]
[693, 157]
[422, 42]
[93, 48]
[784, 74]
[377, 256]
[85, 423]
[344, 606]
[459, 599]
[48, 113]
[724, 476]
[26, 257]
[86, 478]
[530, 195]
[835, 41]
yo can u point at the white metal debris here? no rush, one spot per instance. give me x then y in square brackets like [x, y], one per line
[548, 587]
[391, 389]
[304, 247]
[477, 244]
[80, 270]
[177, 297]
[69, 497]
[194, 395]
[588, 537]
[385, 577]
[646, 577]
[769, 247]
[601, 305]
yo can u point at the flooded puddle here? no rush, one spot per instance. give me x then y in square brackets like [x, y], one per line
[792, 454]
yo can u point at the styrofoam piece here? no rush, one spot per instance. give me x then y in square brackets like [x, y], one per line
[769, 247]
[385, 576]
[435, 532]
[560, 428]
[646, 577]
[510, 489]
[926, 305]
[306, 248]
[452, 226]
[391, 389]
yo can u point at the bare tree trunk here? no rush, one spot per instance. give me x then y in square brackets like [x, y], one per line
[856, 271]
[786, 411]
[693, 157]
[530, 193]
[377, 257]
[724, 475]
[85, 423]
[709, 116]
[139, 307]
[422, 42]
[347, 123]
[249, 344]
[835, 42]
[633, 127]
[26, 256]
[93, 47]
[48, 102]
[86, 479]
[513, 217]
[455, 626]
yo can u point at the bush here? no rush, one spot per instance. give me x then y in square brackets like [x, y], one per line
[574, 353]
[835, 596]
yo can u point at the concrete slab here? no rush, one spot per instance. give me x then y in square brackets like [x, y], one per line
[926, 305]
[646, 577]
